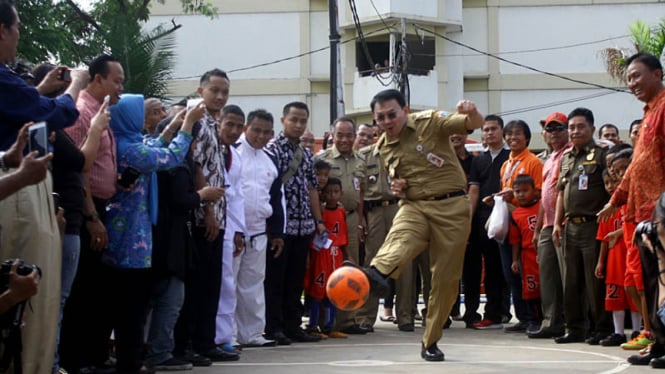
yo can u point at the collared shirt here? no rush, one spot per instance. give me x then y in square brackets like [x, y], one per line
[644, 179]
[350, 171]
[525, 163]
[550, 179]
[589, 161]
[299, 219]
[376, 175]
[208, 154]
[103, 173]
[20, 104]
[486, 173]
[421, 156]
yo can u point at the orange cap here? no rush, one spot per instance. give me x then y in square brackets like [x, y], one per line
[557, 117]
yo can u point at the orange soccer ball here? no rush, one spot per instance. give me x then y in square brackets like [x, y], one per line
[348, 288]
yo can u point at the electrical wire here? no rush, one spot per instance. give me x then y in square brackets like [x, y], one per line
[554, 103]
[380, 17]
[519, 64]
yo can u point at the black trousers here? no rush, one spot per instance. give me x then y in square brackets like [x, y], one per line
[129, 299]
[651, 274]
[284, 285]
[482, 247]
[86, 321]
[195, 328]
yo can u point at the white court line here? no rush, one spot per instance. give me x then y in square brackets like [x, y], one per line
[606, 358]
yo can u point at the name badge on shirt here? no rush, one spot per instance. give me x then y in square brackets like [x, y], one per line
[356, 184]
[583, 183]
[435, 160]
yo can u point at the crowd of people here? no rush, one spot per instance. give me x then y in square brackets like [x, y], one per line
[188, 233]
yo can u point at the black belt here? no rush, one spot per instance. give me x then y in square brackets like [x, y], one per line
[374, 203]
[446, 196]
[582, 219]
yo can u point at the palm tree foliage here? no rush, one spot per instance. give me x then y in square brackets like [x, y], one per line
[645, 38]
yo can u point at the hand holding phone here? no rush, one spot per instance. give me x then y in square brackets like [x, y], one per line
[38, 138]
[65, 75]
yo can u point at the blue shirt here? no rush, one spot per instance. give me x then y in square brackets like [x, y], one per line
[20, 104]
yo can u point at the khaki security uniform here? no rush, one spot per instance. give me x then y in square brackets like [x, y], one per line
[435, 214]
[380, 208]
[584, 195]
[351, 172]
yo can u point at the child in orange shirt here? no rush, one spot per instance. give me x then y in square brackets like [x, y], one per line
[612, 266]
[324, 260]
[522, 226]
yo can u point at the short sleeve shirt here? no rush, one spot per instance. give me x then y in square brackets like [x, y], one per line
[376, 176]
[350, 171]
[486, 173]
[299, 219]
[209, 155]
[590, 199]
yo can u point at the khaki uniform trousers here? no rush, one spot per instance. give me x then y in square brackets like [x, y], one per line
[550, 267]
[344, 319]
[442, 226]
[30, 231]
[379, 221]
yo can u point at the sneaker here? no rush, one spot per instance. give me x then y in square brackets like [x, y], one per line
[613, 340]
[173, 364]
[261, 342]
[640, 342]
[634, 335]
[229, 348]
[487, 324]
[518, 327]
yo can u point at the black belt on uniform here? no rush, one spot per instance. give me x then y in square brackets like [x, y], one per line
[374, 203]
[446, 196]
[582, 219]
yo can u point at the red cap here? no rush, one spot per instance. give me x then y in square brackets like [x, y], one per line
[557, 117]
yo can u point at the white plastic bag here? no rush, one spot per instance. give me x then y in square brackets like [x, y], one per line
[499, 223]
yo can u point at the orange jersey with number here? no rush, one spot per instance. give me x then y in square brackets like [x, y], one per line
[522, 228]
[322, 262]
[615, 264]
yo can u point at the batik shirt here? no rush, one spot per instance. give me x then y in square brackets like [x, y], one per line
[209, 155]
[299, 219]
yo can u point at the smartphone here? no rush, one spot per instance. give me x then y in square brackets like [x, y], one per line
[191, 103]
[38, 138]
[66, 75]
[128, 177]
[56, 201]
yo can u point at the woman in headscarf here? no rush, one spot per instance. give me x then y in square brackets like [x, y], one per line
[131, 214]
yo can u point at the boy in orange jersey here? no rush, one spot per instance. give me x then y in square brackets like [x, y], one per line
[522, 226]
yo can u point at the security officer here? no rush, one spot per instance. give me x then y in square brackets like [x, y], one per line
[435, 212]
[380, 207]
[581, 196]
[349, 167]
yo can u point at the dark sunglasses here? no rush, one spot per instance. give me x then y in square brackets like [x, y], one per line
[557, 127]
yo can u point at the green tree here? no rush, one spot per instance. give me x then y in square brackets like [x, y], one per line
[62, 31]
[645, 38]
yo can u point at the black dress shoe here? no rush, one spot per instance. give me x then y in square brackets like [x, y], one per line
[355, 330]
[569, 338]
[448, 323]
[431, 353]
[195, 358]
[595, 339]
[369, 328]
[217, 354]
[279, 337]
[540, 334]
[658, 362]
[407, 327]
[300, 337]
[644, 359]
[378, 283]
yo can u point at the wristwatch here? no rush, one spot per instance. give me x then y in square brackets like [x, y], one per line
[3, 166]
[319, 222]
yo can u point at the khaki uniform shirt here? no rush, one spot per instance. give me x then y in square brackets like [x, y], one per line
[581, 180]
[424, 155]
[350, 171]
[377, 176]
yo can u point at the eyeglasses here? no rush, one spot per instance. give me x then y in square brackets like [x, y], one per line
[557, 127]
[381, 117]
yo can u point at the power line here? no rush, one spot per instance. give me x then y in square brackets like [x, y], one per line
[389, 28]
[519, 64]
[554, 103]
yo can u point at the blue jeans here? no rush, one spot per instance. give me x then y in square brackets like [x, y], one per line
[71, 249]
[166, 301]
[522, 311]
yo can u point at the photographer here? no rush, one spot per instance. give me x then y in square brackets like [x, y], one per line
[650, 238]
[20, 287]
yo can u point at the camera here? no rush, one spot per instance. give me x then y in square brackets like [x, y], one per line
[22, 269]
[650, 229]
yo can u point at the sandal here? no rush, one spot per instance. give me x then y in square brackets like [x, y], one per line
[387, 318]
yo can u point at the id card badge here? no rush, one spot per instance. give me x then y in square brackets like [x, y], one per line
[435, 160]
[356, 184]
[583, 183]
